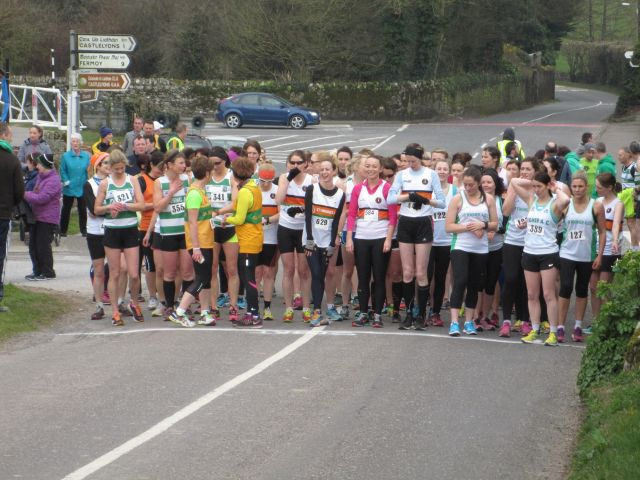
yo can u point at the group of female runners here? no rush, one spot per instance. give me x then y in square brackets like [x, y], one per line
[400, 232]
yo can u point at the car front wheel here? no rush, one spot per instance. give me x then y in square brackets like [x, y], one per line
[297, 122]
[232, 120]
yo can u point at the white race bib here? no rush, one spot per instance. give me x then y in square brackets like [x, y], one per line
[521, 223]
[122, 196]
[536, 229]
[439, 215]
[176, 208]
[576, 235]
[321, 223]
[370, 215]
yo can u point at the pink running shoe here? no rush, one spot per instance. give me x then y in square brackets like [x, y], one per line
[233, 314]
[526, 329]
[505, 330]
[486, 326]
[297, 302]
[560, 335]
[577, 336]
[105, 298]
[495, 320]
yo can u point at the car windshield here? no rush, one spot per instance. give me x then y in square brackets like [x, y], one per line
[225, 143]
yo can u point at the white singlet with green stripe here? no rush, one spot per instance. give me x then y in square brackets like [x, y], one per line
[171, 219]
[120, 194]
[219, 193]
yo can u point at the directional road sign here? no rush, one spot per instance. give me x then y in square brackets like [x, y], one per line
[105, 43]
[105, 61]
[103, 81]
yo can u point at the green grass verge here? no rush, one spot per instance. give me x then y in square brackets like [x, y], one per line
[92, 136]
[562, 66]
[28, 310]
[609, 442]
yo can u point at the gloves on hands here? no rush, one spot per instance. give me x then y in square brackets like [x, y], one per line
[330, 251]
[293, 211]
[310, 246]
[293, 173]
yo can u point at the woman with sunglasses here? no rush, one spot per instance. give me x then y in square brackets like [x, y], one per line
[373, 219]
[118, 199]
[221, 189]
[547, 204]
[169, 195]
[292, 187]
[417, 190]
[267, 267]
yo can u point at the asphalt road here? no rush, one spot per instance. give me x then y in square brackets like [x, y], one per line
[153, 401]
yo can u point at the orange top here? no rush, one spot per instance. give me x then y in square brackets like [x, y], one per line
[145, 216]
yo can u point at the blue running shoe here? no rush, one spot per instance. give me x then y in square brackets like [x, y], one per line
[470, 328]
[242, 303]
[222, 300]
[454, 329]
[587, 330]
[415, 311]
[333, 315]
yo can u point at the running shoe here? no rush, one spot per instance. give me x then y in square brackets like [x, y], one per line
[469, 328]
[337, 299]
[354, 301]
[577, 336]
[141, 298]
[242, 303]
[174, 317]
[105, 298]
[436, 320]
[377, 321]
[316, 318]
[359, 320]
[206, 319]
[124, 310]
[245, 322]
[98, 314]
[153, 303]
[505, 330]
[288, 315]
[587, 330]
[267, 315]
[403, 306]
[333, 315]
[297, 302]
[526, 328]
[407, 323]
[418, 323]
[306, 315]
[256, 321]
[560, 335]
[166, 313]
[396, 317]
[415, 311]
[478, 325]
[552, 340]
[116, 320]
[344, 313]
[215, 313]
[445, 304]
[233, 314]
[158, 311]
[454, 329]
[495, 320]
[531, 337]
[545, 327]
[136, 312]
[487, 326]
[517, 326]
[31, 277]
[222, 300]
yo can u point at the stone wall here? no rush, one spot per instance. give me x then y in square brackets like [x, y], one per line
[465, 95]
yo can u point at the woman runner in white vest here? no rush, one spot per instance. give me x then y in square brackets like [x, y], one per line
[119, 198]
[547, 204]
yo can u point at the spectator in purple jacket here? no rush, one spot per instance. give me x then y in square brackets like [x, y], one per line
[45, 203]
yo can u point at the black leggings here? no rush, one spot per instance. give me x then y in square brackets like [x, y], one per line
[570, 269]
[370, 258]
[494, 264]
[247, 271]
[202, 280]
[469, 271]
[437, 271]
[67, 203]
[515, 288]
[318, 266]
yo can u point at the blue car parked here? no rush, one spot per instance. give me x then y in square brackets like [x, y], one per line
[253, 108]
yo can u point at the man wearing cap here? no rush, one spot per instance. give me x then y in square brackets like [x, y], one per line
[589, 164]
[11, 192]
[151, 129]
[45, 203]
[106, 138]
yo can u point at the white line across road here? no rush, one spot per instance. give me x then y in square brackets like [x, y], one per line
[306, 141]
[190, 409]
[274, 139]
[383, 142]
[403, 128]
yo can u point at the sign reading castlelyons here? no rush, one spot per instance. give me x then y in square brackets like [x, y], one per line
[103, 81]
[105, 43]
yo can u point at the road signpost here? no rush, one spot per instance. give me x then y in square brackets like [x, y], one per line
[93, 58]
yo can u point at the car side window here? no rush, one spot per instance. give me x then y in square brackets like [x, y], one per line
[249, 100]
[270, 102]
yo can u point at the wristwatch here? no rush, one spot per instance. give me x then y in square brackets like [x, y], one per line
[486, 225]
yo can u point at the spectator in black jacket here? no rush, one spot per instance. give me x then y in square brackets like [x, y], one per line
[11, 192]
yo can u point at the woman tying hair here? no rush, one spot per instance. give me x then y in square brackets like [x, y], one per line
[199, 241]
[540, 253]
[471, 215]
[247, 218]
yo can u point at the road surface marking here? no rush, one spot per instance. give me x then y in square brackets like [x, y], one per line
[475, 154]
[370, 138]
[483, 145]
[383, 142]
[309, 140]
[588, 107]
[190, 409]
[493, 139]
[277, 138]
[353, 147]
[328, 333]
[403, 128]
[308, 147]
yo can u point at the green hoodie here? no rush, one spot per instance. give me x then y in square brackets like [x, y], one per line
[574, 162]
[606, 165]
[6, 146]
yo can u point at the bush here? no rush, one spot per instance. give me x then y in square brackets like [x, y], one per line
[615, 324]
[629, 99]
[601, 63]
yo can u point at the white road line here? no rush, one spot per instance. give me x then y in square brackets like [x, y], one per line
[310, 140]
[327, 333]
[403, 127]
[383, 142]
[595, 105]
[353, 147]
[277, 138]
[309, 147]
[372, 138]
[190, 409]
[475, 154]
[483, 145]
[493, 139]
